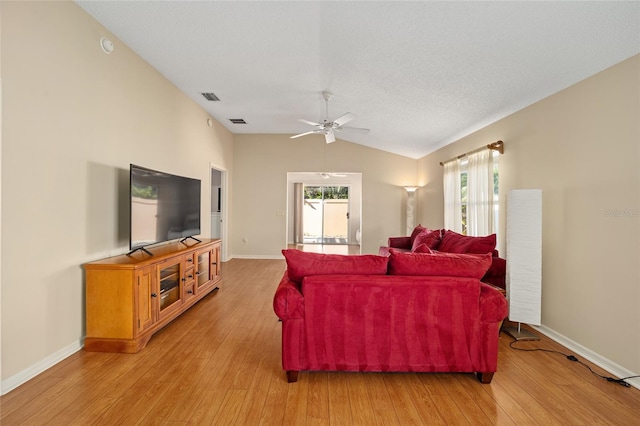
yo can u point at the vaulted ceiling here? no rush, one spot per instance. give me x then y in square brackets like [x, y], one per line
[420, 75]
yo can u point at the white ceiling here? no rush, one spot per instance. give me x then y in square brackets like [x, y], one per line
[420, 75]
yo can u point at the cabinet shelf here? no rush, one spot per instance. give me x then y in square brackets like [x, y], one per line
[168, 285]
[170, 274]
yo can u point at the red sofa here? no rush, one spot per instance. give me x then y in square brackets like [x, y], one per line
[425, 240]
[404, 313]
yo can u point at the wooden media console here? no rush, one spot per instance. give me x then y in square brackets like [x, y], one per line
[130, 297]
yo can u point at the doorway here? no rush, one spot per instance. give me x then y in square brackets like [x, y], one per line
[331, 209]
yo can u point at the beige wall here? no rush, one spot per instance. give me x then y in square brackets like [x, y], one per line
[74, 118]
[581, 146]
[261, 163]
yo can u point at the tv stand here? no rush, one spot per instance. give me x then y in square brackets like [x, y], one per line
[141, 249]
[193, 238]
[130, 297]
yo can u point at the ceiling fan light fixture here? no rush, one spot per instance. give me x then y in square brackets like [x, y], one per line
[329, 137]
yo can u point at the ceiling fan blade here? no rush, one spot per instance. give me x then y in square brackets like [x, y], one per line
[354, 129]
[311, 123]
[343, 119]
[329, 137]
[303, 134]
[326, 175]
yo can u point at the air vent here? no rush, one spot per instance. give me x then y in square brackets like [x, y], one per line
[211, 97]
[237, 121]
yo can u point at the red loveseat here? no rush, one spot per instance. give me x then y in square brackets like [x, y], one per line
[425, 240]
[404, 313]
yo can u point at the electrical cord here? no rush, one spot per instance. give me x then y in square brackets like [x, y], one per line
[573, 358]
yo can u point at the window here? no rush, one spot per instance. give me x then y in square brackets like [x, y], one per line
[463, 194]
[471, 194]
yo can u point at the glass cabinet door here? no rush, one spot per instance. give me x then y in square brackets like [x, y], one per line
[203, 268]
[170, 281]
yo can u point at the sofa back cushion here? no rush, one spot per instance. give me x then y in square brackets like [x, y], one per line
[302, 264]
[439, 264]
[452, 242]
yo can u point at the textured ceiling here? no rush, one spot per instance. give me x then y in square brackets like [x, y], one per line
[420, 75]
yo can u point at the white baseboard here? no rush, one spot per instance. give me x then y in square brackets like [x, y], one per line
[25, 375]
[602, 362]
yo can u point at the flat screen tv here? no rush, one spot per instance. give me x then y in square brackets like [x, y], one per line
[163, 207]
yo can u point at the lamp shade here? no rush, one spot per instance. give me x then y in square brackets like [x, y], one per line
[524, 255]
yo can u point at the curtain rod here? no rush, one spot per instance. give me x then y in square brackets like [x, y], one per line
[495, 146]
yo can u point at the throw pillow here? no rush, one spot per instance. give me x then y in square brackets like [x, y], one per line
[439, 264]
[452, 242]
[417, 230]
[301, 264]
[430, 238]
[422, 248]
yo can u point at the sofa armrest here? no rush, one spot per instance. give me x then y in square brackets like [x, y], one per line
[288, 302]
[400, 242]
[497, 272]
[493, 305]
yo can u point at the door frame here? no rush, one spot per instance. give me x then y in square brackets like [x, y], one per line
[224, 211]
[351, 179]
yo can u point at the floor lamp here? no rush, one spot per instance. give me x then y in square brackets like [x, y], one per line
[411, 207]
[524, 260]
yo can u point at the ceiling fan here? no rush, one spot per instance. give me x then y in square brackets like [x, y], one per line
[328, 128]
[326, 175]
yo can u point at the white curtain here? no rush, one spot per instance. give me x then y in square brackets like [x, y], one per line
[480, 193]
[452, 207]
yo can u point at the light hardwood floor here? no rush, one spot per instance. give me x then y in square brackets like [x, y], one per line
[219, 363]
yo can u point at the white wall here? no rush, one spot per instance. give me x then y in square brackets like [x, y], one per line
[581, 146]
[74, 118]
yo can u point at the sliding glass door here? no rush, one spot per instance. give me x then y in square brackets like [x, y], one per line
[326, 214]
